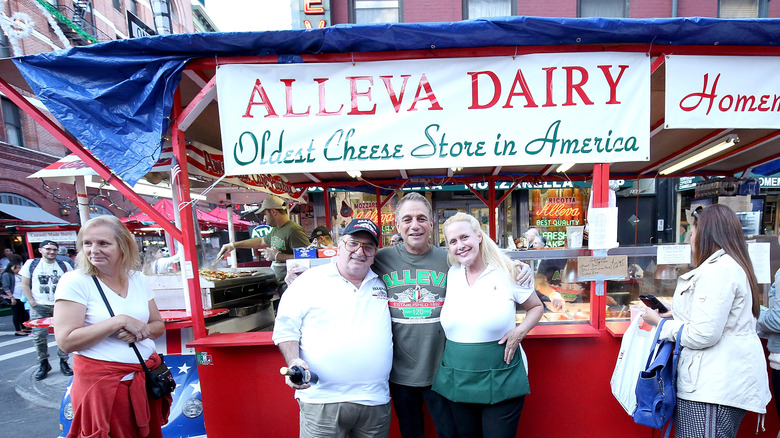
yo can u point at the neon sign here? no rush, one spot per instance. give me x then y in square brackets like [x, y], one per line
[311, 13]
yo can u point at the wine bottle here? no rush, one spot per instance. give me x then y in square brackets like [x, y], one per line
[298, 375]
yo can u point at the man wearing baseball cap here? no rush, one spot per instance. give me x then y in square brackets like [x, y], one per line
[351, 355]
[278, 245]
[39, 279]
[322, 237]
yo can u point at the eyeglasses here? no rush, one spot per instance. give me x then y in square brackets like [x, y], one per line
[369, 249]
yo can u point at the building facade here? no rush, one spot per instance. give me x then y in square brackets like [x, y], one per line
[319, 13]
[36, 26]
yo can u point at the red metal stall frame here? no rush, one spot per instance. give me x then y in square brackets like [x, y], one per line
[246, 343]
[186, 236]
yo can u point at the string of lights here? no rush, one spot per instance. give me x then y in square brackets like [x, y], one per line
[69, 203]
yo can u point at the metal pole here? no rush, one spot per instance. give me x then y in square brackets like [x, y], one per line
[81, 198]
[190, 265]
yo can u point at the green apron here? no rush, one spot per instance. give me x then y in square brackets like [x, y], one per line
[477, 373]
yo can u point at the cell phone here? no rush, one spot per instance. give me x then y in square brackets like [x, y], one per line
[652, 302]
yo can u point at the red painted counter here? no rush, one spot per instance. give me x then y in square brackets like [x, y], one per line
[244, 395]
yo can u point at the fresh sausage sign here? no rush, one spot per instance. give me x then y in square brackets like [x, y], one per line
[435, 113]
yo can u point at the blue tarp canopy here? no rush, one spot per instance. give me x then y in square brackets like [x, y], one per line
[116, 97]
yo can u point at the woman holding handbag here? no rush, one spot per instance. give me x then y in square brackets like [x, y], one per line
[721, 373]
[109, 392]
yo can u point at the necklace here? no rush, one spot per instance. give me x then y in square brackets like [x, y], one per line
[117, 285]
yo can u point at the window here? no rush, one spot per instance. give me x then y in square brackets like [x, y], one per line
[5, 48]
[118, 5]
[161, 9]
[12, 122]
[376, 11]
[742, 8]
[487, 8]
[603, 8]
[132, 6]
[13, 199]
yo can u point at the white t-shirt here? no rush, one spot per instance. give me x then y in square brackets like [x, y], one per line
[44, 280]
[482, 312]
[80, 288]
[344, 335]
[165, 264]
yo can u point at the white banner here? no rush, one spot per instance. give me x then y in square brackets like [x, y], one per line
[57, 236]
[722, 92]
[435, 113]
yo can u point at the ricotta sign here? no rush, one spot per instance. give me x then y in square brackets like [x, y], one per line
[435, 113]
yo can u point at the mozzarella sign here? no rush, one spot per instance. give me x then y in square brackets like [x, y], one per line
[435, 113]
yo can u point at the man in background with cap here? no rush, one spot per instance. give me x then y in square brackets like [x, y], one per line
[39, 279]
[334, 320]
[322, 237]
[279, 243]
[62, 255]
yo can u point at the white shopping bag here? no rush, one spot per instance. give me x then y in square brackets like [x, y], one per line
[632, 358]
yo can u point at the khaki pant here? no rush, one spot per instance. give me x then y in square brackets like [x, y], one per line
[337, 420]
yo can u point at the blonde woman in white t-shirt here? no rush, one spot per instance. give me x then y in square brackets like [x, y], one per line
[483, 371]
[109, 382]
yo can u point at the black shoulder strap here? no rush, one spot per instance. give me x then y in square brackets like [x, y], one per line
[33, 265]
[62, 266]
[111, 312]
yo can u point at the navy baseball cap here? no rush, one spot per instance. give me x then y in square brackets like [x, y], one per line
[363, 224]
[49, 242]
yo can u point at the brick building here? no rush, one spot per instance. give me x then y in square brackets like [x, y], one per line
[311, 12]
[35, 26]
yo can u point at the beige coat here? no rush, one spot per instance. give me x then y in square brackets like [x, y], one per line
[722, 361]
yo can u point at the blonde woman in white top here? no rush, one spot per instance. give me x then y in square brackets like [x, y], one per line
[483, 371]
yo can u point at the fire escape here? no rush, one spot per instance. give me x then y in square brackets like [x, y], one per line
[77, 22]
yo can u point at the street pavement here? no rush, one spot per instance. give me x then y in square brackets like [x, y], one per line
[47, 392]
[30, 407]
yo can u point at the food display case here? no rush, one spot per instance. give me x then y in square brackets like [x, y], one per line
[645, 276]
[556, 271]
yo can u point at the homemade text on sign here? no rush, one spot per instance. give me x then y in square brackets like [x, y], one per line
[437, 113]
[722, 92]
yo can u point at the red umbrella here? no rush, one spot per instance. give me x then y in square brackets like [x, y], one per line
[165, 207]
[221, 213]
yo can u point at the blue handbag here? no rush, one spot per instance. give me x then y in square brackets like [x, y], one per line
[656, 389]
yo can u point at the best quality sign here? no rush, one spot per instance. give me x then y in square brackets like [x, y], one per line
[722, 92]
[435, 113]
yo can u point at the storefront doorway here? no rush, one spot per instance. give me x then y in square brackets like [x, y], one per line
[446, 209]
